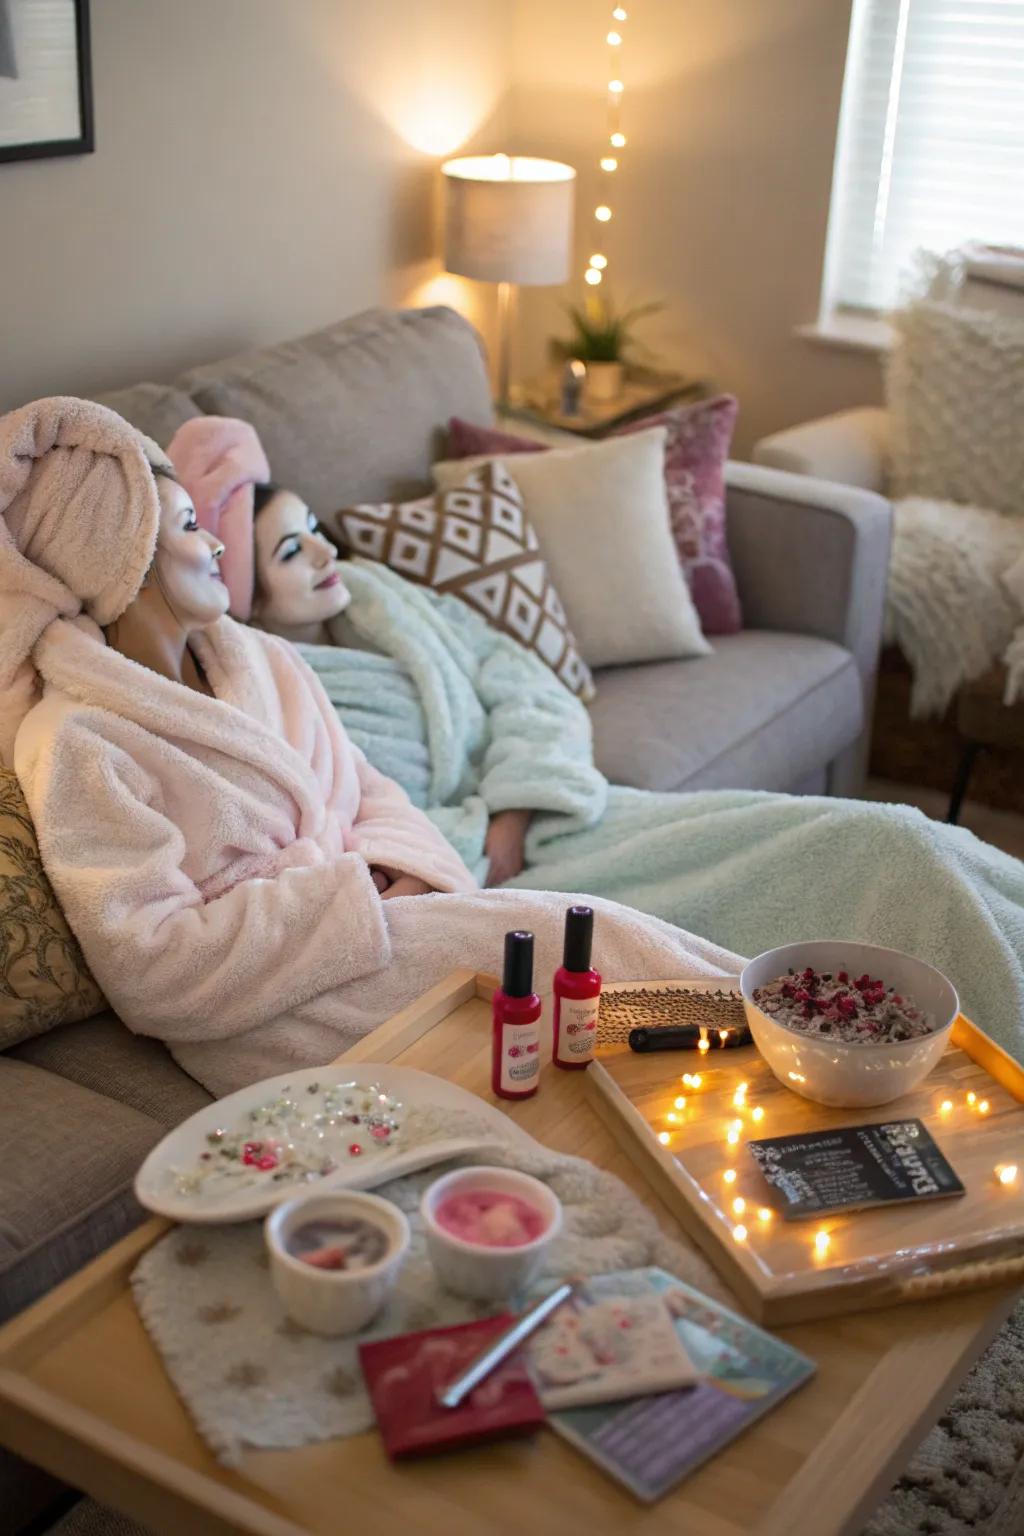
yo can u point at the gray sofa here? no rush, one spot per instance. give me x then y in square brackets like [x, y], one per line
[356, 412]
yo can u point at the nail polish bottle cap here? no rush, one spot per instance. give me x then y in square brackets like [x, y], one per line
[579, 938]
[518, 976]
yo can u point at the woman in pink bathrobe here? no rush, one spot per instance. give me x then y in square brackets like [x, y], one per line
[243, 884]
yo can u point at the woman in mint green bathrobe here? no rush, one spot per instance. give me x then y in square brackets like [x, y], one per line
[485, 738]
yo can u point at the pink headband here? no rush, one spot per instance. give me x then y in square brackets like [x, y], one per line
[218, 460]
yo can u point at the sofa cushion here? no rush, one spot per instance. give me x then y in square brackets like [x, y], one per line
[67, 1159]
[103, 1055]
[44, 979]
[156, 409]
[358, 411]
[763, 712]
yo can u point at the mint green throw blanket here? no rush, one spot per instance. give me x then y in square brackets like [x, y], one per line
[470, 724]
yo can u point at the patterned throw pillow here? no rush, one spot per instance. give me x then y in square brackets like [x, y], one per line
[477, 543]
[696, 450]
[43, 977]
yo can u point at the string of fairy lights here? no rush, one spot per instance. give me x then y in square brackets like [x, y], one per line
[597, 266]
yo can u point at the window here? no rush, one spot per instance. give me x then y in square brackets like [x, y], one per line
[931, 141]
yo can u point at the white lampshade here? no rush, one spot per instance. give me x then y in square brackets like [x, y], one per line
[508, 218]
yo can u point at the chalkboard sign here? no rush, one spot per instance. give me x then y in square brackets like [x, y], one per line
[854, 1167]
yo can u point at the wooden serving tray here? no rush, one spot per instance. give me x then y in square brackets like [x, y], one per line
[83, 1392]
[874, 1257]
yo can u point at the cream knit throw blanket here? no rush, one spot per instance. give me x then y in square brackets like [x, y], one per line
[955, 600]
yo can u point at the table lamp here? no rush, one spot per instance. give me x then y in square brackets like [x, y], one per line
[508, 219]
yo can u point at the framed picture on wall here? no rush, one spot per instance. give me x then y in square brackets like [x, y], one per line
[45, 79]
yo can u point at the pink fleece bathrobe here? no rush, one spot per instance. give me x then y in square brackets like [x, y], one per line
[213, 853]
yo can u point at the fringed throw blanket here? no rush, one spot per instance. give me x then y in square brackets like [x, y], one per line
[955, 601]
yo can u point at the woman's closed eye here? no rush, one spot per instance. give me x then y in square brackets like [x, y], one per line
[289, 549]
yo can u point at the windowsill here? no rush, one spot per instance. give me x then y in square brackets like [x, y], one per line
[849, 333]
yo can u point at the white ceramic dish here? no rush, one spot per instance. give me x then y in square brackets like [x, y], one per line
[476, 1269]
[157, 1180]
[839, 1074]
[334, 1302]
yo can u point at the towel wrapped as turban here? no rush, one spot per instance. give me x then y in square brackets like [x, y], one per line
[79, 517]
[218, 460]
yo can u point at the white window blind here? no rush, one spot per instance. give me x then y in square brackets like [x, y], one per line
[931, 141]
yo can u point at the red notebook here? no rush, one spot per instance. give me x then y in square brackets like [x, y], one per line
[405, 1375]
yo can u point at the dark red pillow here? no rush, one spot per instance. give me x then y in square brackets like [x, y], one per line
[696, 450]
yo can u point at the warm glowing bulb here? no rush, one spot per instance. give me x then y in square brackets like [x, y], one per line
[619, 14]
[946, 1107]
[821, 1242]
[599, 262]
[618, 141]
[664, 1138]
[609, 163]
[764, 1214]
[742, 1087]
[703, 1046]
[736, 1125]
[616, 87]
[739, 1100]
[680, 1103]
[592, 276]
[757, 1114]
[739, 1205]
[972, 1097]
[696, 1080]
[672, 1118]
[614, 39]
[603, 213]
[723, 1035]
[729, 1175]
[740, 1233]
[732, 1138]
[1007, 1173]
[983, 1107]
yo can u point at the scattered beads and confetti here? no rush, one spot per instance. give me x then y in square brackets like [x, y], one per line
[297, 1137]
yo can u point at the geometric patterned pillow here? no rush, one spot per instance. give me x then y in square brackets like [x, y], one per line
[44, 981]
[477, 543]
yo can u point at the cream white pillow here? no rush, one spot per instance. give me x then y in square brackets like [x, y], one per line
[601, 514]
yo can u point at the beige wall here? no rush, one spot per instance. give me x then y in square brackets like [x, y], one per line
[722, 199]
[262, 167]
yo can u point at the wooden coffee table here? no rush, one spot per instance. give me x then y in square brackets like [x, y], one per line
[83, 1392]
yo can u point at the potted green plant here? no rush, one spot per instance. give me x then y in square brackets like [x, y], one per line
[602, 338]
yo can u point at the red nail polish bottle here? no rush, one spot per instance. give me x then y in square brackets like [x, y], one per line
[515, 1038]
[577, 994]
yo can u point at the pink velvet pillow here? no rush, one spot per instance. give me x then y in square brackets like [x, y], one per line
[696, 449]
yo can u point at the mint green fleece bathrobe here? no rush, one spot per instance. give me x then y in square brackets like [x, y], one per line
[471, 723]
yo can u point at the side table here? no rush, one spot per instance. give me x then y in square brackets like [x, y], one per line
[643, 393]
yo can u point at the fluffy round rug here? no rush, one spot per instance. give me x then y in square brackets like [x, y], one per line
[966, 1479]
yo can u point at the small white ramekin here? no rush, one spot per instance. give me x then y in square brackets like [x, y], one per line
[334, 1301]
[474, 1269]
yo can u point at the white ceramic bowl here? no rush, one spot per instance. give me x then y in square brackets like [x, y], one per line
[474, 1269]
[334, 1301]
[842, 1075]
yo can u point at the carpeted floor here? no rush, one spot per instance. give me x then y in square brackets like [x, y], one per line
[967, 1478]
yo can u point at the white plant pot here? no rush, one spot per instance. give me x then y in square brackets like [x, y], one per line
[604, 381]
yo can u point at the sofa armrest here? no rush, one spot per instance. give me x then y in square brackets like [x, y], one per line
[851, 447]
[812, 557]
